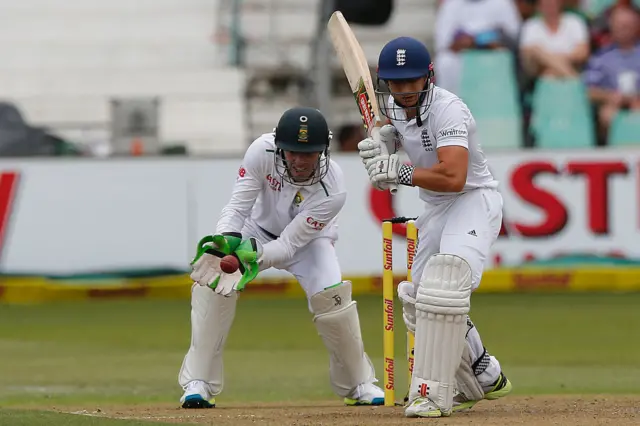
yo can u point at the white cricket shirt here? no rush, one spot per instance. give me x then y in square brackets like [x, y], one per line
[446, 122]
[295, 214]
[570, 34]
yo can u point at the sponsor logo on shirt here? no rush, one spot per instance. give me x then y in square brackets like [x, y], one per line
[274, 183]
[452, 132]
[315, 224]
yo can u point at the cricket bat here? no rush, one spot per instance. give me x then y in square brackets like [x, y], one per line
[356, 68]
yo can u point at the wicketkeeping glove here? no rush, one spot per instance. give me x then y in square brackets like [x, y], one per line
[248, 252]
[206, 264]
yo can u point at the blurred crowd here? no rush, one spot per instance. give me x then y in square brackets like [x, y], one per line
[596, 41]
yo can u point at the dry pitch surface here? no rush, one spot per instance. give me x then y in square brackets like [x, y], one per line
[122, 357]
[515, 410]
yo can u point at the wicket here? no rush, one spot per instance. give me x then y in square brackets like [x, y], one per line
[388, 290]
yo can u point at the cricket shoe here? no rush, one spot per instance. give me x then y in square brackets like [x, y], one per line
[196, 395]
[501, 387]
[365, 394]
[424, 407]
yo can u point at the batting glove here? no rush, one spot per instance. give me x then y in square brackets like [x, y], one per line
[384, 141]
[387, 168]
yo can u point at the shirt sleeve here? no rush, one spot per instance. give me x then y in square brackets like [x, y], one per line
[510, 18]
[445, 25]
[451, 127]
[594, 75]
[304, 228]
[579, 30]
[528, 36]
[245, 191]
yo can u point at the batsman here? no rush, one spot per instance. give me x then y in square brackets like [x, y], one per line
[282, 214]
[461, 220]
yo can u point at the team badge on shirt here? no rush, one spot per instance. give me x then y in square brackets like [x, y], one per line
[298, 199]
[426, 140]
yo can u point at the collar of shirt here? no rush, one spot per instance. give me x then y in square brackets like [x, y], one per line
[402, 116]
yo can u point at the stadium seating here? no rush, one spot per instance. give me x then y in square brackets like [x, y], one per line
[68, 60]
[281, 31]
[595, 7]
[562, 116]
[279, 37]
[494, 102]
[625, 129]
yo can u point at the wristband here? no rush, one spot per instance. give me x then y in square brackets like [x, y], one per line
[405, 175]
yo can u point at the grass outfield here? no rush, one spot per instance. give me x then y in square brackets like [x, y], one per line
[43, 418]
[114, 352]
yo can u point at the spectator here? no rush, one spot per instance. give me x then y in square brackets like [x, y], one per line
[554, 44]
[600, 31]
[349, 136]
[471, 24]
[527, 8]
[612, 74]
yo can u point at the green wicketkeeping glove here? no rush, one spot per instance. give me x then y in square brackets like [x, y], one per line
[248, 252]
[218, 245]
[206, 263]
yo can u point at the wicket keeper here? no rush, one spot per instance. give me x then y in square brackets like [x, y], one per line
[282, 214]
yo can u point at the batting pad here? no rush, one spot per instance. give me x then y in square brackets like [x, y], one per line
[442, 304]
[337, 322]
[211, 318]
[466, 380]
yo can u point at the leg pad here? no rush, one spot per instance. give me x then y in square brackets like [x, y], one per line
[337, 322]
[442, 304]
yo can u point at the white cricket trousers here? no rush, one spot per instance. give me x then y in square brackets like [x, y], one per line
[467, 227]
[315, 266]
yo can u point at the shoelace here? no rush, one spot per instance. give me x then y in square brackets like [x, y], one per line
[192, 385]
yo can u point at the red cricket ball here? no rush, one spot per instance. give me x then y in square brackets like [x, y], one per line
[229, 264]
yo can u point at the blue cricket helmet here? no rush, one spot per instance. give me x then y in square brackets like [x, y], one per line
[404, 58]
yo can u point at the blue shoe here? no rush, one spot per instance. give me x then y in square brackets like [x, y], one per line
[196, 395]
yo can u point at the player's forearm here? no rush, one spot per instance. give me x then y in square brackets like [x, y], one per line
[231, 220]
[438, 178]
[275, 252]
[235, 213]
[239, 207]
[304, 228]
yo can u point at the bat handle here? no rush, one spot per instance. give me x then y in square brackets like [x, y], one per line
[393, 189]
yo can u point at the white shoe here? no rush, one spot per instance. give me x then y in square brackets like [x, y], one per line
[501, 387]
[365, 394]
[196, 395]
[424, 407]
